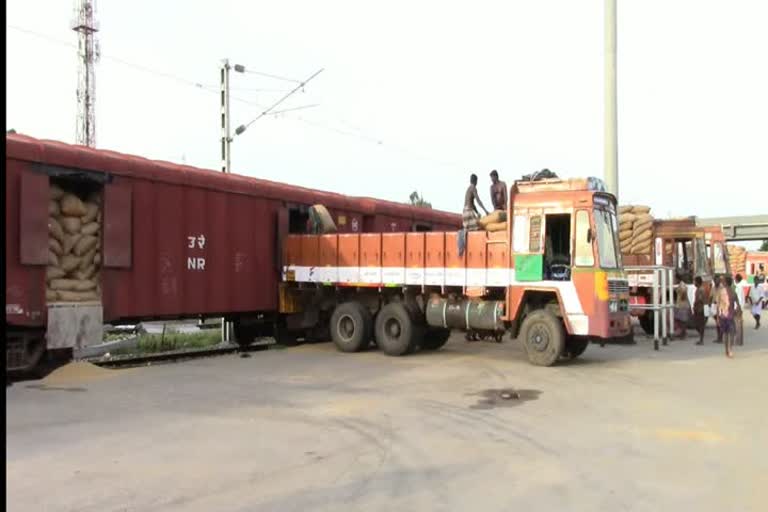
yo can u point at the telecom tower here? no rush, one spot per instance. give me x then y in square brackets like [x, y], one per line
[88, 54]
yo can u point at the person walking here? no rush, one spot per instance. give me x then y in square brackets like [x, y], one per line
[755, 299]
[741, 292]
[727, 304]
[699, 318]
[682, 310]
[713, 297]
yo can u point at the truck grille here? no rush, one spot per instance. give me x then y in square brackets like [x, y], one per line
[618, 286]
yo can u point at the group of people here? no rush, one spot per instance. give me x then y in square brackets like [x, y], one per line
[470, 213]
[726, 303]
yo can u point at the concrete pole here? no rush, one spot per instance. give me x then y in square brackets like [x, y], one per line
[611, 156]
[226, 141]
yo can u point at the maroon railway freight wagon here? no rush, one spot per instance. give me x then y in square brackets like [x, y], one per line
[95, 236]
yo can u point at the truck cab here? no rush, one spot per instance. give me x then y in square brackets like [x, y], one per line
[564, 237]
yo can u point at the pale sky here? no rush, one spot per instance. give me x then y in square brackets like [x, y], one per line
[416, 95]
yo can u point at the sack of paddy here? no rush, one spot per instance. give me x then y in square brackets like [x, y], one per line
[54, 273]
[63, 284]
[642, 236]
[55, 229]
[638, 209]
[75, 285]
[625, 235]
[53, 208]
[71, 225]
[70, 241]
[56, 192]
[87, 273]
[51, 295]
[72, 206]
[645, 227]
[90, 229]
[496, 226]
[53, 260]
[641, 248]
[627, 208]
[92, 210]
[69, 263]
[87, 259]
[74, 296]
[55, 246]
[492, 218]
[85, 244]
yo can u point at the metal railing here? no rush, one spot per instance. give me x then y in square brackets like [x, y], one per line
[661, 281]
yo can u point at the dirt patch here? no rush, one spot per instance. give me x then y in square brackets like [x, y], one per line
[77, 372]
[508, 397]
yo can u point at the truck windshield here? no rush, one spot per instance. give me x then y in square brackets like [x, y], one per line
[607, 241]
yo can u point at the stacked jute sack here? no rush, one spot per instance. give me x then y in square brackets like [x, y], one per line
[74, 259]
[635, 229]
[495, 221]
[737, 258]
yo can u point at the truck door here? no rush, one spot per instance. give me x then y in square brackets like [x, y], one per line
[528, 246]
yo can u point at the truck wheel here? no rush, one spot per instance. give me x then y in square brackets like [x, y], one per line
[351, 327]
[543, 337]
[395, 329]
[435, 338]
[575, 346]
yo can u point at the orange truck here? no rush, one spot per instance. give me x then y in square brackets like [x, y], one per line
[679, 244]
[553, 278]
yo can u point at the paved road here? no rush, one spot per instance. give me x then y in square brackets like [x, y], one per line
[624, 428]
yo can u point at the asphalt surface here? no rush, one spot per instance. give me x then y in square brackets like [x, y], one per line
[308, 428]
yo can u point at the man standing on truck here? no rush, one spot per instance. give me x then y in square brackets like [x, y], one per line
[470, 214]
[499, 195]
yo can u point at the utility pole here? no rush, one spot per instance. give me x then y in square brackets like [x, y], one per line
[226, 141]
[611, 154]
[88, 54]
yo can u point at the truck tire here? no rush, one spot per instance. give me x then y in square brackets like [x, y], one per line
[351, 327]
[543, 337]
[435, 338]
[395, 330]
[575, 346]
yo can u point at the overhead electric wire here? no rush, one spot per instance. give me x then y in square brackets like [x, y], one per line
[265, 110]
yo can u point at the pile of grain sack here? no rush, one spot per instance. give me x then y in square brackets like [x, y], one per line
[495, 221]
[635, 229]
[74, 259]
[737, 258]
